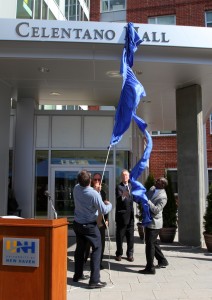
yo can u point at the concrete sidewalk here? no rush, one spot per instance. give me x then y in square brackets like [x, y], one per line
[188, 276]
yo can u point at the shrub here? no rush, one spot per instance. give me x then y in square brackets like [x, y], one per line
[208, 213]
[170, 209]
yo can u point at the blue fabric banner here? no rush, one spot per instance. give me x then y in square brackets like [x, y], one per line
[131, 93]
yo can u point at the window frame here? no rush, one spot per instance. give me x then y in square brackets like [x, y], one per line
[112, 10]
[161, 17]
[208, 22]
[210, 123]
[162, 133]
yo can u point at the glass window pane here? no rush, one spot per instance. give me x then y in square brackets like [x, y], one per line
[210, 124]
[208, 16]
[167, 20]
[163, 20]
[151, 20]
[37, 10]
[44, 11]
[51, 16]
[105, 5]
[24, 9]
[41, 183]
[117, 5]
[64, 185]
[80, 157]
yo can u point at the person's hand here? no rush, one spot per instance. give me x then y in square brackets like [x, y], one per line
[106, 223]
[97, 186]
[106, 202]
[125, 194]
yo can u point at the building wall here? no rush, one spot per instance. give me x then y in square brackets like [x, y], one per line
[209, 144]
[188, 13]
[9, 9]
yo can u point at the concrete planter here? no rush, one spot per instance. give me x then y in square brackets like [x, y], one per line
[167, 235]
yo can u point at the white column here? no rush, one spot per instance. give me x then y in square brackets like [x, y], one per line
[24, 156]
[5, 95]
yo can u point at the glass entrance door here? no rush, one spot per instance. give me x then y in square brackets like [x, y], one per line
[63, 180]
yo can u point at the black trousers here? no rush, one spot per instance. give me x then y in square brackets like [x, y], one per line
[152, 247]
[102, 233]
[87, 250]
[84, 234]
[121, 232]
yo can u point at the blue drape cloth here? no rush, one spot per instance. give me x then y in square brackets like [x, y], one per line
[131, 93]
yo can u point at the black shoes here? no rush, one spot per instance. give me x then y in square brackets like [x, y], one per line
[147, 271]
[118, 258]
[83, 277]
[130, 258]
[97, 285]
[162, 264]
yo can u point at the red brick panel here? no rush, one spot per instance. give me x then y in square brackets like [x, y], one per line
[163, 156]
[95, 10]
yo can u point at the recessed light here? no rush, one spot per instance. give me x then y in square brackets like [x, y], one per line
[43, 70]
[114, 74]
[55, 94]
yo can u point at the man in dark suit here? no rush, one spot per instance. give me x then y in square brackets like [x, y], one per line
[124, 217]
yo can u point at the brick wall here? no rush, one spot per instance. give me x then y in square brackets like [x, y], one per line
[95, 10]
[188, 12]
[164, 155]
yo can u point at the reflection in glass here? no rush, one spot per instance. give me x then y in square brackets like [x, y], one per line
[64, 185]
[80, 157]
[24, 9]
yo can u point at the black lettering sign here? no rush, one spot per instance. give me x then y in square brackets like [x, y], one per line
[20, 33]
[24, 30]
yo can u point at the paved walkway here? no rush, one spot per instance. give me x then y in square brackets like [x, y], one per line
[188, 276]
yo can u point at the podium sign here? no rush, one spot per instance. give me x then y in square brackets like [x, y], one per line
[33, 259]
[20, 252]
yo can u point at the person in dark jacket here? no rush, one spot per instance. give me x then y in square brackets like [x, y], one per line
[124, 217]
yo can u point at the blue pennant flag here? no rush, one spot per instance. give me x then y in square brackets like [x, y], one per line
[138, 190]
[131, 93]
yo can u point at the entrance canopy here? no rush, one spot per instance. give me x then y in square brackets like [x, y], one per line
[77, 63]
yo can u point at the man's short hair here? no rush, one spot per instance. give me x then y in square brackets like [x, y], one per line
[84, 178]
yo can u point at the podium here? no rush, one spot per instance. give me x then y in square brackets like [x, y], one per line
[47, 240]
